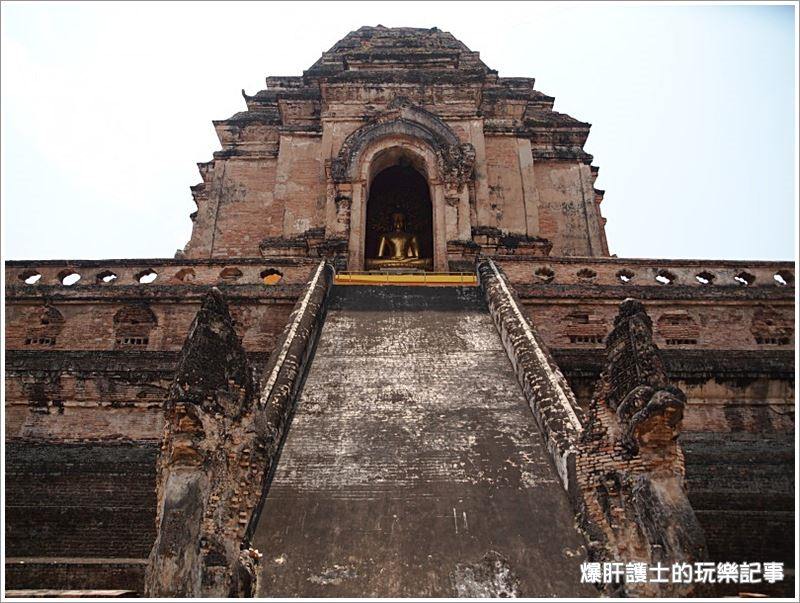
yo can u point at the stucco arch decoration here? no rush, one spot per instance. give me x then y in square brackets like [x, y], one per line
[455, 160]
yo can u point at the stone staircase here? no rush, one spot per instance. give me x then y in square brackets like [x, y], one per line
[413, 466]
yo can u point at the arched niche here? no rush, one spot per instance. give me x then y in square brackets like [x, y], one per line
[45, 327]
[133, 325]
[409, 135]
[399, 189]
[377, 158]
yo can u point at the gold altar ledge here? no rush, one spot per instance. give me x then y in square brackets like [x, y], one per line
[462, 279]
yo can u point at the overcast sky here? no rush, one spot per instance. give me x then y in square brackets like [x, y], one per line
[107, 108]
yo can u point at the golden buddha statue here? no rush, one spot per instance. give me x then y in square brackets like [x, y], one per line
[398, 249]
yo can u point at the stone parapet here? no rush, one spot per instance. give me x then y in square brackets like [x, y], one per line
[524, 268]
[25, 276]
[632, 274]
[545, 388]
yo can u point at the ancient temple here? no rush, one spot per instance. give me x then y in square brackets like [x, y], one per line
[395, 358]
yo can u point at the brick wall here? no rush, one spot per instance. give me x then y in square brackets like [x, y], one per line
[562, 188]
[742, 488]
[80, 500]
[704, 326]
[77, 574]
[505, 208]
[247, 210]
[90, 325]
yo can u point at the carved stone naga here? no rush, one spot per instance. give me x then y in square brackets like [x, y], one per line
[210, 470]
[222, 435]
[633, 503]
[649, 410]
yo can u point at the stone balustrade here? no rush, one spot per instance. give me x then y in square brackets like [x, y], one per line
[80, 273]
[521, 269]
[647, 272]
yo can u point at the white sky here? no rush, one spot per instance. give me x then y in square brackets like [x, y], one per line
[106, 109]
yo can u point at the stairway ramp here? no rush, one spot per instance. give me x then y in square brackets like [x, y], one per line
[413, 466]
